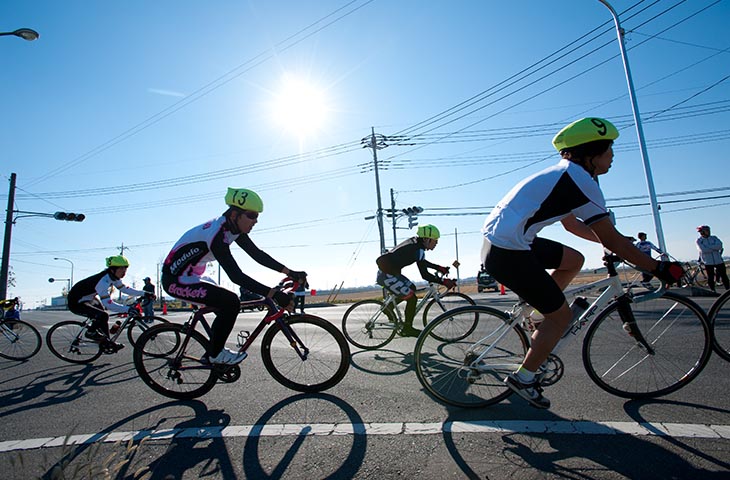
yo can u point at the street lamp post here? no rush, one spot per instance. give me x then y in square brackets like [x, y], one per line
[72, 269]
[24, 33]
[51, 280]
[639, 130]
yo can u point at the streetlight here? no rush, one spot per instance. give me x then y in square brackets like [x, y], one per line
[51, 280]
[24, 33]
[72, 269]
[639, 130]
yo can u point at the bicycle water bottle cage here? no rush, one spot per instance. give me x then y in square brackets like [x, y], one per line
[242, 337]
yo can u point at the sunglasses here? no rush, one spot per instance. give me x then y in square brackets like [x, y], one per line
[251, 215]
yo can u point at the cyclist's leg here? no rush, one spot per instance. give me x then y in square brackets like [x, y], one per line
[92, 310]
[401, 286]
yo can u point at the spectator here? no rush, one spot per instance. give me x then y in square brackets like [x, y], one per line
[148, 304]
[710, 248]
[11, 308]
[299, 296]
[646, 246]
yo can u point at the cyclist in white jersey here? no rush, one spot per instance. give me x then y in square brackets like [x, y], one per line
[516, 257]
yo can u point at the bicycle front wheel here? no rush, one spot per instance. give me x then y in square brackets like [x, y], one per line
[316, 359]
[168, 357]
[469, 372]
[141, 325]
[720, 322]
[367, 325]
[446, 302]
[679, 345]
[19, 340]
[66, 340]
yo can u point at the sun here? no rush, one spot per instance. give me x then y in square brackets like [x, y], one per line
[299, 107]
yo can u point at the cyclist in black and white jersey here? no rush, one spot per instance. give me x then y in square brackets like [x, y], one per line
[183, 269]
[406, 253]
[91, 297]
[516, 257]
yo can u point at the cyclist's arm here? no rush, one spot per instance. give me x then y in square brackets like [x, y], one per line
[222, 253]
[423, 266]
[103, 288]
[261, 257]
[578, 228]
[613, 240]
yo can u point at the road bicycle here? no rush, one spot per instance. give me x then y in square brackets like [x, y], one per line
[695, 275]
[19, 340]
[720, 320]
[371, 324]
[302, 352]
[67, 339]
[638, 344]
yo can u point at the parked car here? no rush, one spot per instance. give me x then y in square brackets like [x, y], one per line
[486, 281]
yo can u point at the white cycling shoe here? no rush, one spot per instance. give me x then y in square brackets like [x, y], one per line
[228, 357]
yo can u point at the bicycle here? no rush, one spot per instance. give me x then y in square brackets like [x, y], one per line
[19, 340]
[302, 352]
[67, 339]
[636, 345]
[720, 320]
[695, 275]
[372, 324]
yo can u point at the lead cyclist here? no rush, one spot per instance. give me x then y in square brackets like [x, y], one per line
[183, 269]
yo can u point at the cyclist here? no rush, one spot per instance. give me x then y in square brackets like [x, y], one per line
[513, 253]
[91, 297]
[183, 269]
[11, 308]
[406, 253]
[646, 246]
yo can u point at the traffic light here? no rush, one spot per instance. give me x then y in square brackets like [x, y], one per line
[69, 217]
[412, 213]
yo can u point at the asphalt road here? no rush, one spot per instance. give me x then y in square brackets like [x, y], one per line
[377, 423]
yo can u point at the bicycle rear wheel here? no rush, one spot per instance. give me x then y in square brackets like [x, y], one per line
[324, 348]
[366, 325]
[66, 340]
[141, 325]
[449, 301]
[19, 340]
[167, 358]
[720, 321]
[447, 368]
[678, 335]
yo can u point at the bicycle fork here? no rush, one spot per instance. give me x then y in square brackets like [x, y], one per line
[630, 325]
[294, 341]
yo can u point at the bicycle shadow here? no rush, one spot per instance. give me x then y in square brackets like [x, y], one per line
[181, 455]
[303, 452]
[382, 361]
[532, 454]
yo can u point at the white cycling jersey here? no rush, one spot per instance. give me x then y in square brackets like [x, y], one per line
[543, 199]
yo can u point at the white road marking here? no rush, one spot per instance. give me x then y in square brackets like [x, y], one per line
[330, 429]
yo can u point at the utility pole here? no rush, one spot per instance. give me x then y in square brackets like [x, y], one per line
[122, 249]
[375, 145]
[6, 241]
[394, 217]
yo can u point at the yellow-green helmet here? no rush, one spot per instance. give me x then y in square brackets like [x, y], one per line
[117, 261]
[244, 199]
[583, 131]
[429, 231]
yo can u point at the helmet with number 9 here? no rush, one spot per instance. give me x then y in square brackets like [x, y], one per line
[244, 199]
[582, 131]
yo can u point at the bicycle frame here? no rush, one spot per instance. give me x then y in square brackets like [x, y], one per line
[431, 291]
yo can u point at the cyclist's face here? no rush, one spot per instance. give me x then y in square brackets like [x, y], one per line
[603, 161]
[246, 220]
[120, 272]
[430, 243]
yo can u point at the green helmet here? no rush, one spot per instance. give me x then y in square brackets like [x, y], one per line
[117, 261]
[244, 199]
[585, 130]
[429, 231]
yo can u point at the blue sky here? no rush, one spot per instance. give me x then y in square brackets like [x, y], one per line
[140, 114]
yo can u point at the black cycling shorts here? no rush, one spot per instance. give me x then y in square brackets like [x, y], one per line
[523, 272]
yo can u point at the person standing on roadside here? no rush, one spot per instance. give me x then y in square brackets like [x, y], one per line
[148, 304]
[711, 249]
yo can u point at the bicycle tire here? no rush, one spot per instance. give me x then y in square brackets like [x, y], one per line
[160, 364]
[450, 301]
[141, 325]
[720, 322]
[443, 366]
[19, 340]
[327, 361]
[674, 326]
[66, 340]
[368, 326]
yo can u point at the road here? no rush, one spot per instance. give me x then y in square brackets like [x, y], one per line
[377, 423]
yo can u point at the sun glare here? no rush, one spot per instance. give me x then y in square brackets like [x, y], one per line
[299, 107]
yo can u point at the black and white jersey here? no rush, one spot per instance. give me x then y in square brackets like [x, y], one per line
[100, 286]
[543, 199]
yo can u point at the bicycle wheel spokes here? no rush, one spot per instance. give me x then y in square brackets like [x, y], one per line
[168, 371]
[18, 340]
[141, 325]
[449, 370]
[720, 321]
[66, 340]
[448, 301]
[366, 326]
[678, 337]
[324, 348]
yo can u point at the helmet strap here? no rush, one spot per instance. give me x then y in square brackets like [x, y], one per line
[230, 221]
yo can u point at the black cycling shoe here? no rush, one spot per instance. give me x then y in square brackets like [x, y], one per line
[409, 331]
[110, 347]
[94, 335]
